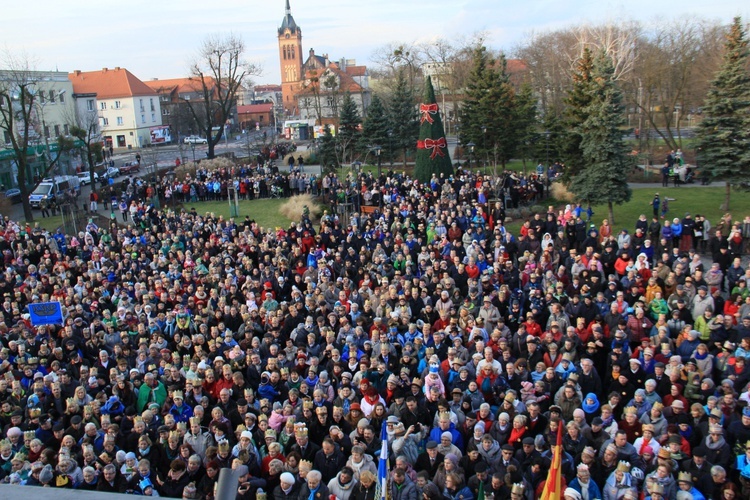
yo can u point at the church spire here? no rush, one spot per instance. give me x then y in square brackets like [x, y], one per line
[288, 21]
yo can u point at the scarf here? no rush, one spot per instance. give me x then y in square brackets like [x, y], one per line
[584, 489]
[700, 356]
[312, 493]
[715, 446]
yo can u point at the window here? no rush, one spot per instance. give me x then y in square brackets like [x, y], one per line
[61, 97]
[102, 106]
[119, 120]
[151, 101]
[153, 117]
[117, 104]
[89, 105]
[141, 104]
[6, 135]
[143, 118]
[57, 130]
[165, 111]
[51, 96]
[46, 131]
[104, 121]
[330, 102]
[66, 131]
[42, 99]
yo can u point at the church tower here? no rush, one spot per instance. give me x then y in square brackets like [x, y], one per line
[290, 59]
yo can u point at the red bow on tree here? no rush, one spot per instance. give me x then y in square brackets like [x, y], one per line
[427, 110]
[434, 145]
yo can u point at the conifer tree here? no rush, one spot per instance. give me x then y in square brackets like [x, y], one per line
[403, 115]
[375, 127]
[603, 176]
[433, 156]
[724, 133]
[349, 131]
[500, 140]
[577, 102]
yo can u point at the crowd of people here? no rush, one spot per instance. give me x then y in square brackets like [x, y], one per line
[193, 343]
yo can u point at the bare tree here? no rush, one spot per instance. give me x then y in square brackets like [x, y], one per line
[618, 41]
[671, 75]
[21, 121]
[220, 71]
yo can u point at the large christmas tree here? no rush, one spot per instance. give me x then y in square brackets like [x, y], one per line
[432, 147]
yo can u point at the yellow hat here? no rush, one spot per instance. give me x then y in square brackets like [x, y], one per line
[623, 466]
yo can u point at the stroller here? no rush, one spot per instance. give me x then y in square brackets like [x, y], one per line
[277, 191]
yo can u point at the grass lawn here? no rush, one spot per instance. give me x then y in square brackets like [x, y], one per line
[697, 200]
[49, 223]
[265, 212]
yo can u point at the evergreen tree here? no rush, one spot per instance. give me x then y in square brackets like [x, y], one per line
[375, 127]
[327, 152]
[349, 131]
[433, 156]
[526, 123]
[724, 133]
[490, 113]
[473, 114]
[602, 178]
[403, 115]
[500, 141]
[577, 103]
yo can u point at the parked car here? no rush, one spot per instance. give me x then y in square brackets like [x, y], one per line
[86, 178]
[129, 167]
[109, 173]
[14, 195]
[194, 139]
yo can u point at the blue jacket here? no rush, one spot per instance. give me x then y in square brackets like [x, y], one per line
[458, 440]
[594, 492]
[181, 414]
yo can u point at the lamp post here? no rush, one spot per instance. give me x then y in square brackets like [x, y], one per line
[390, 146]
[470, 145]
[377, 150]
[192, 147]
[546, 181]
[484, 146]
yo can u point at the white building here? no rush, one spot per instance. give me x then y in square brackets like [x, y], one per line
[127, 108]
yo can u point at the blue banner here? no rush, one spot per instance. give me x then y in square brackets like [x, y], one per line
[46, 313]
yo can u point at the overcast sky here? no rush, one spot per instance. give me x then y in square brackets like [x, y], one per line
[158, 39]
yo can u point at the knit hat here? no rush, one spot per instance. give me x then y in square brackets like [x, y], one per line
[287, 478]
[451, 457]
[46, 475]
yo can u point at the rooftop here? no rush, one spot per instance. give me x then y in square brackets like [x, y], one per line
[109, 83]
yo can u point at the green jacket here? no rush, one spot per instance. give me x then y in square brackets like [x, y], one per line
[147, 395]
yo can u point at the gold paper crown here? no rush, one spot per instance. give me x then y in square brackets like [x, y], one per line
[307, 404]
[657, 488]
[623, 466]
[657, 406]
[305, 465]
[223, 445]
[35, 412]
[19, 457]
[29, 435]
[684, 476]
[517, 489]
[177, 395]
[631, 410]
[195, 421]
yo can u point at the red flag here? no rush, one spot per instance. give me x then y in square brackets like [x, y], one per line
[553, 486]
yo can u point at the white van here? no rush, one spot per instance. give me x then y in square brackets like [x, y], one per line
[48, 189]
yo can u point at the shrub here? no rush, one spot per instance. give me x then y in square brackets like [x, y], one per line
[292, 209]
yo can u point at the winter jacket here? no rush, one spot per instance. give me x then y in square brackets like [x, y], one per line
[342, 491]
[406, 491]
[367, 464]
